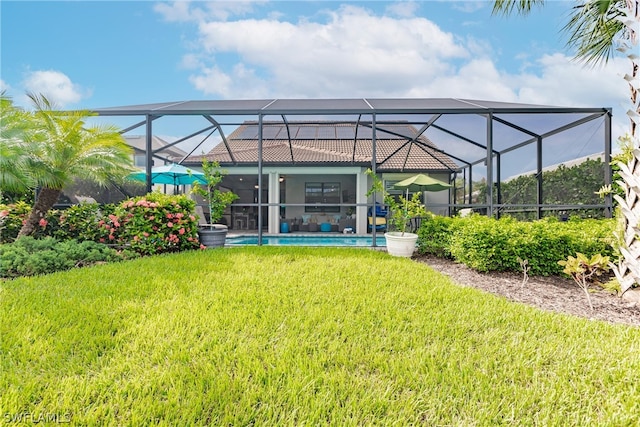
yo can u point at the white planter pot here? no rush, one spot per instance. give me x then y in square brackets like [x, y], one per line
[401, 245]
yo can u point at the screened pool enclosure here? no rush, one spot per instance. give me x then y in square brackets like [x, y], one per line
[501, 157]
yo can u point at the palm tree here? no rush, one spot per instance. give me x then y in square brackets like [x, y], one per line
[13, 125]
[58, 147]
[596, 28]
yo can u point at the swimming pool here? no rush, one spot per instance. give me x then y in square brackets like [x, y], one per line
[306, 240]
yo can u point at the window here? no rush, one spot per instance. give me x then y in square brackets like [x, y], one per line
[322, 194]
[140, 160]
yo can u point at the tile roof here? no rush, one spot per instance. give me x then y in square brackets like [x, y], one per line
[330, 143]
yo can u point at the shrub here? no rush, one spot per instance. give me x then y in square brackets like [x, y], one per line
[153, 224]
[434, 235]
[12, 217]
[82, 222]
[585, 271]
[487, 244]
[29, 256]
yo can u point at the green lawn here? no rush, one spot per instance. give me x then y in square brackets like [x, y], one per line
[301, 336]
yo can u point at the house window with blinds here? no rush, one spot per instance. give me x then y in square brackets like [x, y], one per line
[322, 195]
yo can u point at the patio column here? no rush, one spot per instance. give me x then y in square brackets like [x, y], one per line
[361, 211]
[274, 202]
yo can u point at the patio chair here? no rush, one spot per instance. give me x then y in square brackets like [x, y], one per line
[380, 218]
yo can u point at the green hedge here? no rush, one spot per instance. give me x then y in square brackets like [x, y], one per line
[434, 235]
[487, 244]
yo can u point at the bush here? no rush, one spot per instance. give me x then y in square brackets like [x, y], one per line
[82, 222]
[153, 224]
[487, 244]
[12, 217]
[434, 236]
[29, 256]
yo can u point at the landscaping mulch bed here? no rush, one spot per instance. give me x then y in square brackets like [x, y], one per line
[553, 293]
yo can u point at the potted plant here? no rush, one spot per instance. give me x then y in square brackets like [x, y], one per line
[400, 242]
[213, 234]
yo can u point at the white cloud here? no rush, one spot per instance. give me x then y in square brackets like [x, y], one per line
[561, 81]
[55, 85]
[185, 11]
[352, 54]
[191, 61]
[240, 83]
[405, 9]
[469, 6]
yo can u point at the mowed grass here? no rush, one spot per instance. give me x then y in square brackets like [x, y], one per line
[301, 336]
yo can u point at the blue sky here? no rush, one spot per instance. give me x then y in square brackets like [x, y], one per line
[86, 54]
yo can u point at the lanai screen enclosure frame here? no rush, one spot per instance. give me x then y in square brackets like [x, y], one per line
[448, 115]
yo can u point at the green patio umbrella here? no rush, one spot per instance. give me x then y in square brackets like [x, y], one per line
[173, 174]
[421, 182]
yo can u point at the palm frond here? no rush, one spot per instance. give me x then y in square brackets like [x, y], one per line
[522, 7]
[593, 28]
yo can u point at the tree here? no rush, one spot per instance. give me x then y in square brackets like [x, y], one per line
[13, 125]
[58, 146]
[596, 29]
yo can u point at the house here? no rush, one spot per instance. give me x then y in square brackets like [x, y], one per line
[314, 172]
[162, 150]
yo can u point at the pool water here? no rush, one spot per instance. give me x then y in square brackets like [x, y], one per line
[306, 240]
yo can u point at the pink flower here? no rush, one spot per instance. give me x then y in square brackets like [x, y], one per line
[169, 215]
[152, 217]
[136, 238]
[43, 222]
[169, 224]
[4, 213]
[179, 215]
[111, 237]
[181, 231]
[145, 234]
[192, 218]
[101, 240]
[202, 246]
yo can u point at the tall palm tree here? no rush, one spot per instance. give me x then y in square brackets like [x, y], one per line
[596, 28]
[59, 147]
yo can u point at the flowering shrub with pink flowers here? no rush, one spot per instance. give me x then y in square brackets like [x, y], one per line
[153, 224]
[12, 216]
[81, 222]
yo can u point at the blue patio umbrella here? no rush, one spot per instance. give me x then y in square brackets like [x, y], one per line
[173, 174]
